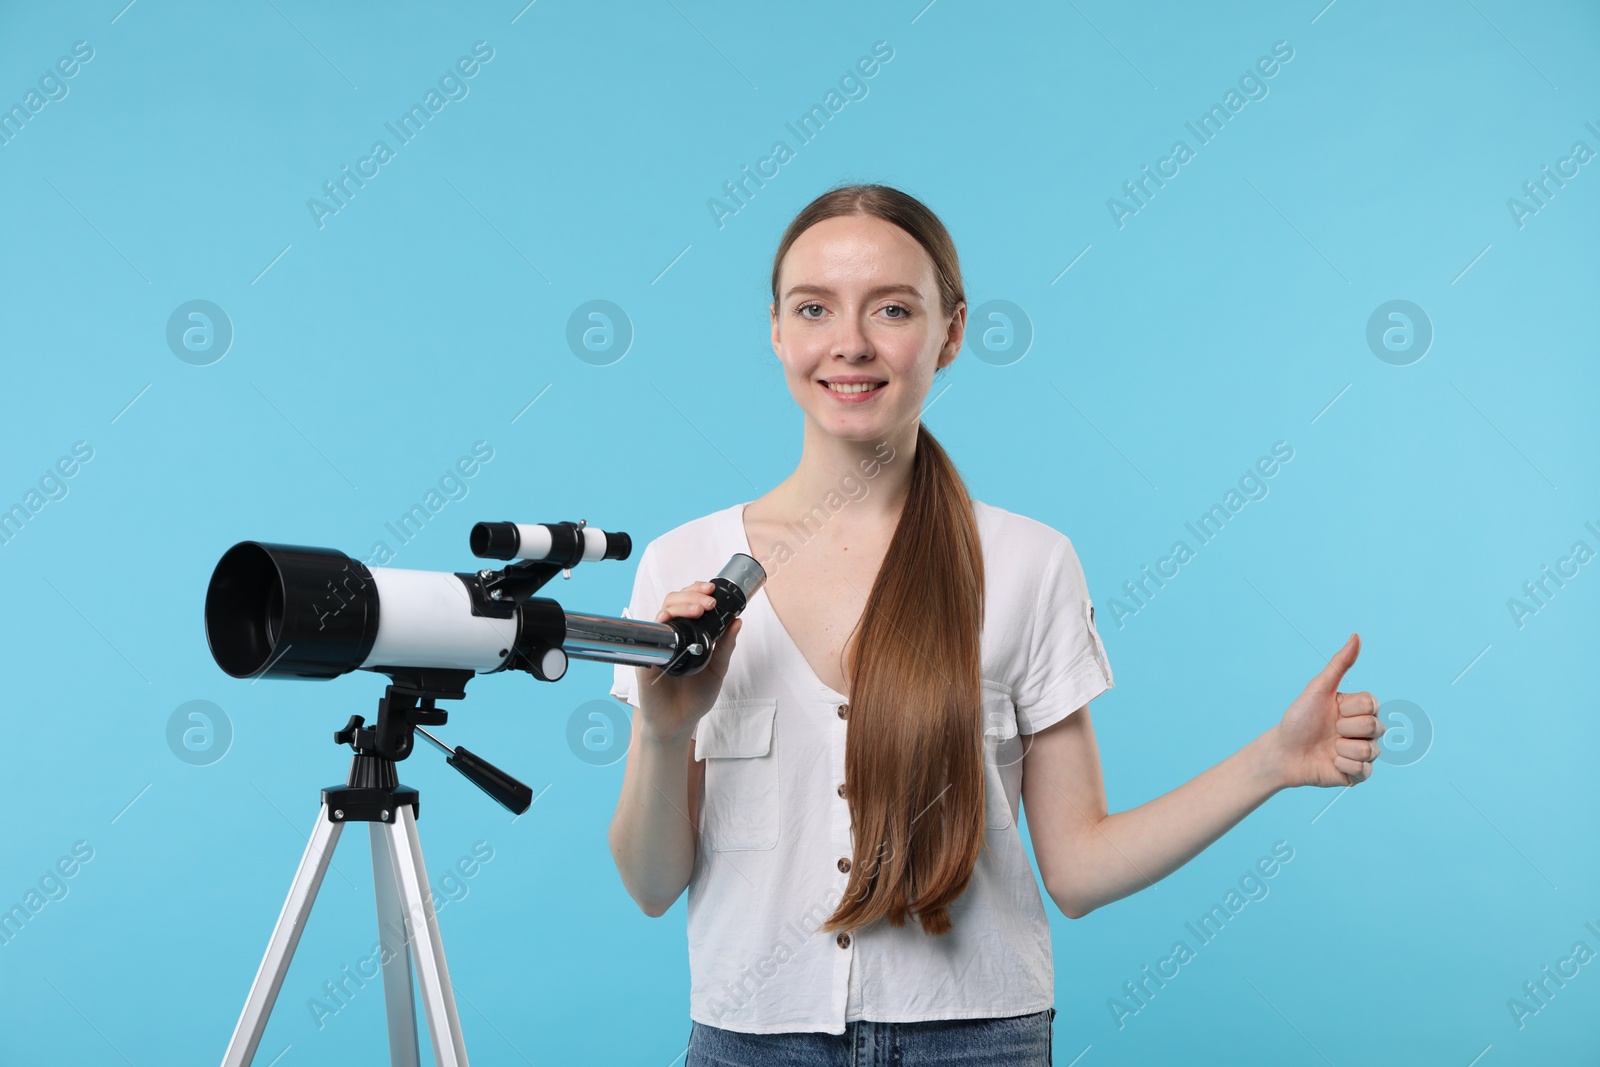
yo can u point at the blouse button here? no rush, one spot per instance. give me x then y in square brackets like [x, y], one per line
[844, 710]
[843, 939]
[844, 864]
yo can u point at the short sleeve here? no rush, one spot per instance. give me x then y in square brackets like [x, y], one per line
[647, 598]
[1067, 665]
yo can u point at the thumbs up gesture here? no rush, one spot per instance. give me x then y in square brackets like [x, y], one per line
[1327, 737]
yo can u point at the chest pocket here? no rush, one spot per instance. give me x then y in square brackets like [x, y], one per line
[740, 807]
[1002, 755]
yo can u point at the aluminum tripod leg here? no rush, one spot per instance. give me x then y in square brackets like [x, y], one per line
[422, 930]
[407, 928]
[285, 936]
[395, 951]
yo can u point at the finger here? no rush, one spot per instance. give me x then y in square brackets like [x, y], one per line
[1363, 726]
[1359, 770]
[691, 593]
[1356, 749]
[1357, 703]
[1330, 676]
[684, 603]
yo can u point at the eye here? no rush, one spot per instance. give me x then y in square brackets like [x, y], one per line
[800, 310]
[905, 312]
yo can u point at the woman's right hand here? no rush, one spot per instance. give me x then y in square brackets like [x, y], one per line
[673, 704]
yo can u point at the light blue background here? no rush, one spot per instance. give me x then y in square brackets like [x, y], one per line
[1228, 314]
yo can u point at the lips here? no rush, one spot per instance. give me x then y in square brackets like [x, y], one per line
[857, 392]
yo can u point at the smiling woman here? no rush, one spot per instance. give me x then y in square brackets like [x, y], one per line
[839, 788]
[867, 306]
[862, 754]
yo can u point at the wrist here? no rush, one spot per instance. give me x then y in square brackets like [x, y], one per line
[1271, 762]
[668, 744]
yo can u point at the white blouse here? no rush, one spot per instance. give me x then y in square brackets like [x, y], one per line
[775, 833]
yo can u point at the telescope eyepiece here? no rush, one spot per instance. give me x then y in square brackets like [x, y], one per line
[494, 540]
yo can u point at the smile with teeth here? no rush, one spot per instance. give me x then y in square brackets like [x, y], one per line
[858, 387]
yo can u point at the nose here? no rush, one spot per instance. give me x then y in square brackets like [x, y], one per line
[849, 340]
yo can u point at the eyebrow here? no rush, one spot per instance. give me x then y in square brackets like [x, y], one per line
[880, 290]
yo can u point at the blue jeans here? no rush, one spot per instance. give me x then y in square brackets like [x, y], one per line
[1014, 1041]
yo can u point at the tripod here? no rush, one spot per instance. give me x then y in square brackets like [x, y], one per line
[408, 928]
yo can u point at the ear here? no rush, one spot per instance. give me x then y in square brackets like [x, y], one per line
[954, 336]
[772, 309]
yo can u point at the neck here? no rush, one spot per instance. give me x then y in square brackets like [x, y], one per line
[870, 477]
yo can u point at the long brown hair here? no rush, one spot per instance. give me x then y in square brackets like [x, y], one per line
[914, 771]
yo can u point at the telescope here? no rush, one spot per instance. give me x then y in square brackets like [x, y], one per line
[294, 611]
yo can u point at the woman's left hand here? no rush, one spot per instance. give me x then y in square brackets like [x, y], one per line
[1327, 737]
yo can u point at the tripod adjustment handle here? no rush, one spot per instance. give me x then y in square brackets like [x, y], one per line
[351, 731]
[506, 790]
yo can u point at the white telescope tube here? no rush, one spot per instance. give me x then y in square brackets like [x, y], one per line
[425, 619]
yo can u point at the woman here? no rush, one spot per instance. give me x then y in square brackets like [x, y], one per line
[917, 662]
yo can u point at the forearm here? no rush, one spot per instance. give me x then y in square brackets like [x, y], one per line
[1122, 853]
[652, 836]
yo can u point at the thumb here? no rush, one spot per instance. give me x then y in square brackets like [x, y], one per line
[1333, 673]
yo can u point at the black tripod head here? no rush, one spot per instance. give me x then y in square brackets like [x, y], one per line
[407, 705]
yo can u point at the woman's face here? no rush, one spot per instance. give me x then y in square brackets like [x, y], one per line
[858, 302]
